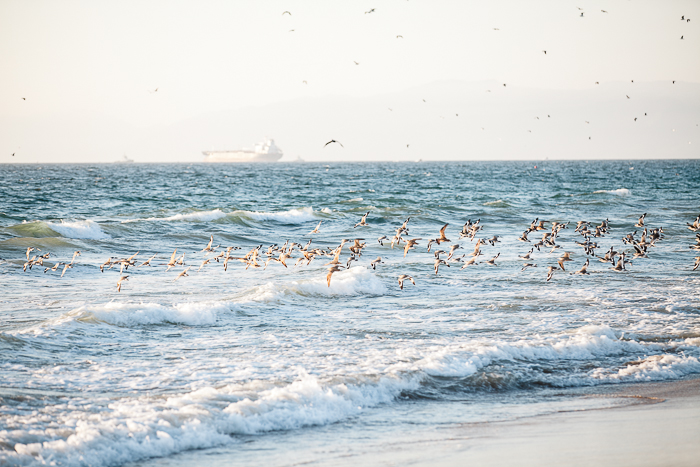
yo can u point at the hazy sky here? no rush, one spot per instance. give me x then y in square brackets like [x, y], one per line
[104, 60]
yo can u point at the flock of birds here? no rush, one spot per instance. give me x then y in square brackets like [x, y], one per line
[259, 257]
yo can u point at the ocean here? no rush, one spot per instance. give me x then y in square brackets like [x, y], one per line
[271, 366]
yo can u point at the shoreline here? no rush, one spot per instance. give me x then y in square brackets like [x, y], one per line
[660, 425]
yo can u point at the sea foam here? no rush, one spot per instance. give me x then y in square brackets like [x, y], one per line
[618, 192]
[292, 216]
[84, 229]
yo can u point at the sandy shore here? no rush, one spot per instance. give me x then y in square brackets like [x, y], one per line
[659, 425]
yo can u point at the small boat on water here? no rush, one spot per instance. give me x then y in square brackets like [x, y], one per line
[263, 152]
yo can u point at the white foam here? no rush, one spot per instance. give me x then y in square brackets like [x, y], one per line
[327, 211]
[85, 229]
[135, 429]
[654, 368]
[355, 200]
[132, 314]
[293, 216]
[618, 192]
[138, 314]
[199, 216]
[357, 280]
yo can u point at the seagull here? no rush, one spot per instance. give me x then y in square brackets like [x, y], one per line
[333, 141]
[383, 237]
[363, 221]
[75, 255]
[119, 282]
[640, 223]
[404, 277]
[528, 265]
[331, 270]
[375, 262]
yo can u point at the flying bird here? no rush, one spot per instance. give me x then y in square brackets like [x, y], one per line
[286, 13]
[119, 282]
[370, 11]
[399, 36]
[404, 277]
[333, 141]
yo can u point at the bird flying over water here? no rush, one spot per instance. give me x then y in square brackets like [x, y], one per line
[334, 141]
[404, 277]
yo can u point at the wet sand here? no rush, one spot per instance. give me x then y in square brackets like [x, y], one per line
[658, 425]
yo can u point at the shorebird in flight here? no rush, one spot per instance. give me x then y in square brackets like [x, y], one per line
[442, 237]
[528, 265]
[334, 141]
[409, 245]
[583, 270]
[119, 282]
[331, 270]
[375, 262]
[640, 223]
[315, 231]
[286, 13]
[562, 259]
[363, 221]
[183, 273]
[147, 262]
[550, 272]
[404, 277]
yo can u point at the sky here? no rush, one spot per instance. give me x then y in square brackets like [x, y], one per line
[84, 81]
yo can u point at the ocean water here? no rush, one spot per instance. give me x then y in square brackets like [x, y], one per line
[270, 366]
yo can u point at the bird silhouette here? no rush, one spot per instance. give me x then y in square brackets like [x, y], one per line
[370, 11]
[286, 13]
[333, 141]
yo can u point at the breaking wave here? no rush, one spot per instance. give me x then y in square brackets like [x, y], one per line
[618, 192]
[82, 229]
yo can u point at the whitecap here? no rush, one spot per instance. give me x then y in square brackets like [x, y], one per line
[618, 192]
[293, 216]
[198, 216]
[85, 229]
[357, 280]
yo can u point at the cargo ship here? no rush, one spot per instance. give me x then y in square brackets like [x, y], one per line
[263, 152]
